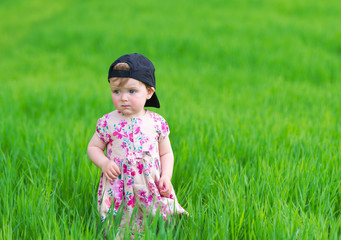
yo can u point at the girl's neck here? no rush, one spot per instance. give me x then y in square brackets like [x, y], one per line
[138, 115]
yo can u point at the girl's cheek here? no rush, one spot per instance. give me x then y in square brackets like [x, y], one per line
[115, 101]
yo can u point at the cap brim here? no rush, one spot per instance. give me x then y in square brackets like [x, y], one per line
[153, 102]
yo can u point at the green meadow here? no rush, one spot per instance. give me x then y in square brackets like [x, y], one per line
[251, 91]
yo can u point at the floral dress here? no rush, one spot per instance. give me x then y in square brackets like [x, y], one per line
[133, 144]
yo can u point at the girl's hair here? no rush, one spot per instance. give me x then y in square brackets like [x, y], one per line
[123, 81]
[122, 66]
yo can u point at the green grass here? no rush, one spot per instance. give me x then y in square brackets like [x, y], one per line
[250, 89]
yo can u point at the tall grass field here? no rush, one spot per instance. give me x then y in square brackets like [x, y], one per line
[251, 91]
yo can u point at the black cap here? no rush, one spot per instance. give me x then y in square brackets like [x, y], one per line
[141, 69]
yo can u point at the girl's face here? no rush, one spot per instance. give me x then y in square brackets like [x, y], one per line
[130, 97]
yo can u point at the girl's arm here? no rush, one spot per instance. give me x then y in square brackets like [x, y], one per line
[96, 154]
[167, 162]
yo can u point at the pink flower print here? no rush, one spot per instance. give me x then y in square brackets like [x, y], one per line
[147, 171]
[125, 168]
[137, 130]
[117, 134]
[171, 196]
[125, 134]
[156, 163]
[154, 116]
[108, 202]
[142, 196]
[151, 147]
[150, 166]
[131, 137]
[131, 202]
[104, 124]
[100, 188]
[164, 127]
[119, 196]
[157, 128]
[150, 199]
[143, 193]
[140, 167]
[123, 123]
[117, 161]
[109, 153]
[130, 157]
[133, 173]
[151, 186]
[108, 137]
[123, 145]
[118, 189]
[127, 151]
[130, 182]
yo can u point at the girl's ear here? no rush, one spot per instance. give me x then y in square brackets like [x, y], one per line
[150, 92]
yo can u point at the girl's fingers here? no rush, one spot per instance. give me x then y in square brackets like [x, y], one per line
[167, 185]
[108, 177]
[165, 193]
[114, 171]
[161, 185]
[165, 188]
[117, 169]
[112, 175]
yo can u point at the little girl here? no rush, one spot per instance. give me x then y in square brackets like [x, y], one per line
[138, 165]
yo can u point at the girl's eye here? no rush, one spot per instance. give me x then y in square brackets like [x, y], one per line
[132, 91]
[116, 91]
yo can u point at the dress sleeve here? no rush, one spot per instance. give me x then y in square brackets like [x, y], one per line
[164, 129]
[102, 130]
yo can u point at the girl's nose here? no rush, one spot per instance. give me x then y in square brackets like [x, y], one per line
[124, 97]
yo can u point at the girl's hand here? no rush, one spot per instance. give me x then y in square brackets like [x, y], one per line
[165, 186]
[111, 170]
